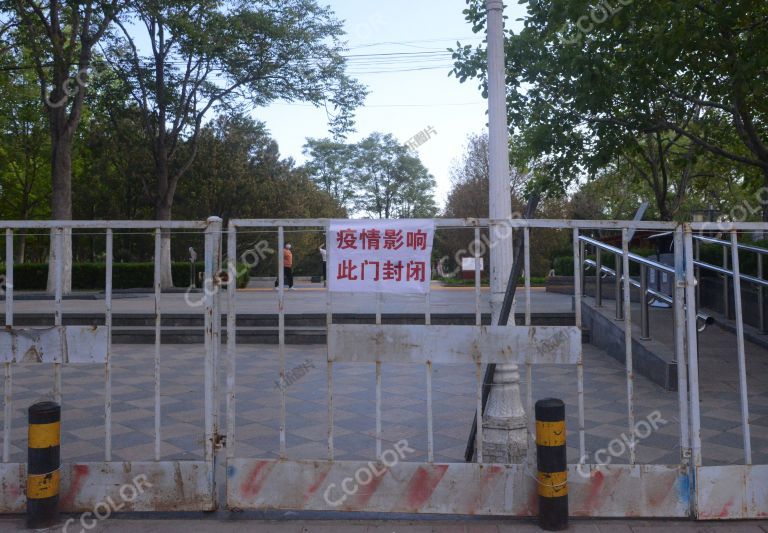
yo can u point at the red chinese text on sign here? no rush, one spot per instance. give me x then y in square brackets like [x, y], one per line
[391, 256]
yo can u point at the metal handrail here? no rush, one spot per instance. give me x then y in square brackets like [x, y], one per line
[644, 263]
[758, 280]
[726, 272]
[702, 317]
[633, 257]
[727, 244]
[656, 294]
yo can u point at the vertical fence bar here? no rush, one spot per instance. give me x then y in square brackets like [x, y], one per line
[8, 383]
[158, 332]
[528, 365]
[479, 412]
[527, 268]
[697, 270]
[57, 316]
[211, 372]
[478, 368]
[678, 304]
[478, 314]
[693, 347]
[578, 288]
[598, 277]
[378, 384]
[761, 295]
[727, 311]
[328, 323]
[645, 326]
[618, 262]
[738, 312]
[108, 359]
[215, 224]
[231, 338]
[628, 342]
[428, 370]
[281, 332]
[582, 269]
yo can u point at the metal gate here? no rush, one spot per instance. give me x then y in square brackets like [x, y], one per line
[738, 490]
[388, 482]
[150, 484]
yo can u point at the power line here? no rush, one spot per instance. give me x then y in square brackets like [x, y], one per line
[458, 104]
[444, 39]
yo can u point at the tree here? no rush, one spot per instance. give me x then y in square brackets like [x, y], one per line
[379, 176]
[667, 68]
[60, 36]
[240, 174]
[207, 54]
[390, 181]
[328, 167]
[469, 198]
[25, 187]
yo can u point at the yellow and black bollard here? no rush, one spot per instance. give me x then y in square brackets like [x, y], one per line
[43, 464]
[552, 464]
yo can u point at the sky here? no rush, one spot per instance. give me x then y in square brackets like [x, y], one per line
[407, 94]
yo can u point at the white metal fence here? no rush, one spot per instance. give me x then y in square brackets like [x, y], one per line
[172, 485]
[683, 488]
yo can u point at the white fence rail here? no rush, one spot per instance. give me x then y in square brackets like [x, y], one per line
[171, 485]
[684, 488]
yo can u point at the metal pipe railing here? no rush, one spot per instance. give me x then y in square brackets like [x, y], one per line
[645, 291]
[728, 276]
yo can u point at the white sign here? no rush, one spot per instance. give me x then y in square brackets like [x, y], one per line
[468, 263]
[380, 255]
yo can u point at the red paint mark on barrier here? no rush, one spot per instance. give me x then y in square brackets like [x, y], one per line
[726, 512]
[321, 475]
[490, 474]
[421, 486]
[256, 478]
[533, 500]
[365, 493]
[79, 472]
[596, 484]
[658, 495]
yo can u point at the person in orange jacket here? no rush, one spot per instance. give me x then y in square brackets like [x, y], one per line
[287, 267]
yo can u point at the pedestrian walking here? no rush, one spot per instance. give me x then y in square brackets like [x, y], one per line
[324, 254]
[287, 267]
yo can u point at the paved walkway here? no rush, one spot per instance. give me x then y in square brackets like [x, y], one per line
[721, 431]
[404, 401]
[403, 410]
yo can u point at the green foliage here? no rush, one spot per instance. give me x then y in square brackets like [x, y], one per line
[563, 265]
[92, 276]
[377, 177]
[664, 94]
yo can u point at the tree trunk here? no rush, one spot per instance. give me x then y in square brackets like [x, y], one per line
[61, 200]
[163, 212]
[765, 204]
[22, 249]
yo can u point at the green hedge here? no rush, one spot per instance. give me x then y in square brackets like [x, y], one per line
[91, 276]
[563, 265]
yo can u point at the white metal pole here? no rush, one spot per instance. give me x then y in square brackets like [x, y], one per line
[500, 201]
[505, 432]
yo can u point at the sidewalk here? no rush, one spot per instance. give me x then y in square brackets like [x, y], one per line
[212, 525]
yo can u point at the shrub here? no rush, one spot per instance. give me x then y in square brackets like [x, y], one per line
[563, 265]
[92, 276]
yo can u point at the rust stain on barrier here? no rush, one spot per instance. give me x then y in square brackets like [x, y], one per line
[453, 344]
[732, 492]
[454, 488]
[58, 344]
